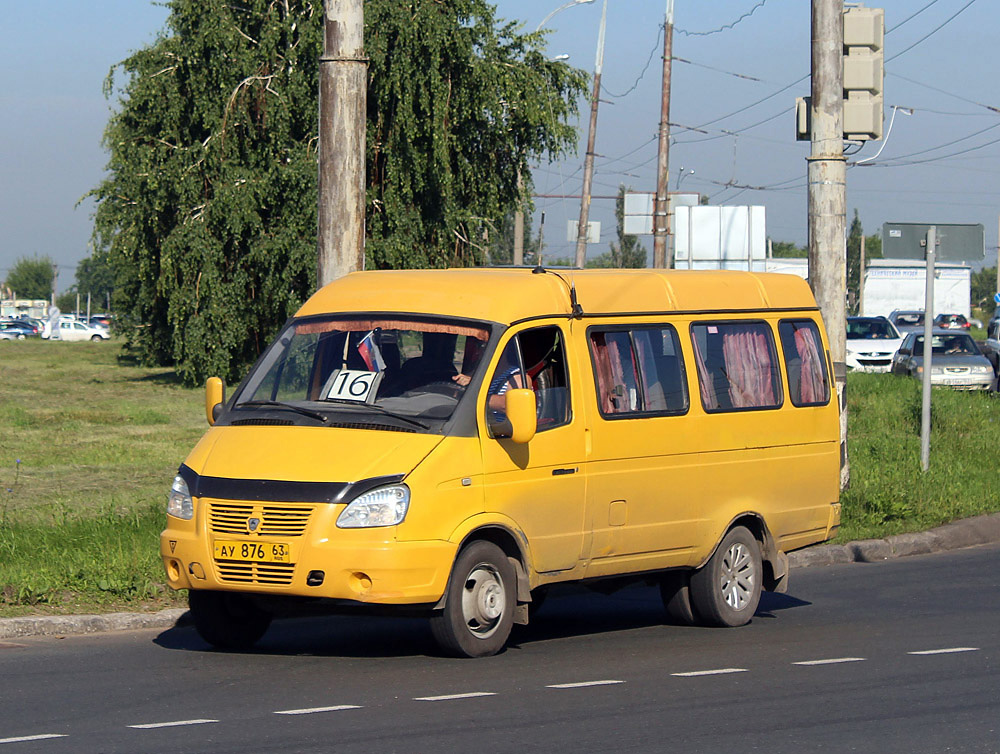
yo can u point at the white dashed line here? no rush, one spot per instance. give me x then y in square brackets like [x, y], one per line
[831, 661]
[720, 671]
[950, 650]
[313, 710]
[582, 684]
[173, 724]
[450, 697]
[40, 737]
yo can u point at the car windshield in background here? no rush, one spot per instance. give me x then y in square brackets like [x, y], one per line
[944, 345]
[870, 328]
[910, 320]
[412, 370]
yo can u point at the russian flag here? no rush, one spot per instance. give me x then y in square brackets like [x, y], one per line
[368, 349]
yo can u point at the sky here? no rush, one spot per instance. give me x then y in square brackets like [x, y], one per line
[739, 65]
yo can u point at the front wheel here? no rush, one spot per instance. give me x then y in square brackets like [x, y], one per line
[96, 338]
[479, 605]
[226, 620]
[726, 591]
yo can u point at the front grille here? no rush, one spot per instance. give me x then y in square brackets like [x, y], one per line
[261, 422]
[276, 520]
[277, 574]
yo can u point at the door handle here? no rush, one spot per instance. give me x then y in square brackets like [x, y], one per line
[563, 472]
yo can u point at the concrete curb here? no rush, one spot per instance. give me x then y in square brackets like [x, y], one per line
[956, 535]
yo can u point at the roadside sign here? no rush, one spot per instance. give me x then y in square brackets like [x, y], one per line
[996, 298]
[955, 243]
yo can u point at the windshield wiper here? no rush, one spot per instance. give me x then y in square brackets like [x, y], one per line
[278, 404]
[379, 409]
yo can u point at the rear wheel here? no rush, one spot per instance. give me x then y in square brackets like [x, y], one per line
[726, 591]
[480, 602]
[226, 620]
[96, 338]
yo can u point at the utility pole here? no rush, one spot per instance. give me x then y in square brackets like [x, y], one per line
[588, 162]
[661, 219]
[343, 82]
[828, 195]
[519, 225]
[861, 277]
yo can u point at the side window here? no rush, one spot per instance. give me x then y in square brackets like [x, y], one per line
[534, 359]
[737, 366]
[638, 371]
[808, 381]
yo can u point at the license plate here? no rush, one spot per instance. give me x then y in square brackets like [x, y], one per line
[252, 552]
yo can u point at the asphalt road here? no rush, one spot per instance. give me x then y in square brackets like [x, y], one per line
[899, 656]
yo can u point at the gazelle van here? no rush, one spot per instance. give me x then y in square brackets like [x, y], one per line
[453, 442]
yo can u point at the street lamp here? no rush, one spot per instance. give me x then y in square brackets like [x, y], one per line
[560, 9]
[682, 175]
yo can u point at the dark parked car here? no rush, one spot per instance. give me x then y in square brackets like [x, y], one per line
[951, 322]
[993, 326]
[956, 360]
[15, 329]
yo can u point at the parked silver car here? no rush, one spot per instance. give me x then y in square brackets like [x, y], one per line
[956, 360]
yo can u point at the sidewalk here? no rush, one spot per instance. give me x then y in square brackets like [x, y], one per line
[956, 535]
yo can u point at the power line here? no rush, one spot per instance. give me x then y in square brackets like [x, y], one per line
[932, 32]
[725, 27]
[910, 18]
[945, 91]
[645, 68]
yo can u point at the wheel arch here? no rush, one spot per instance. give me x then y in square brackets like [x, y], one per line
[514, 546]
[775, 562]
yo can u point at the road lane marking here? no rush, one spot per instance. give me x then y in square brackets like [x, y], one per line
[948, 651]
[831, 661]
[720, 671]
[312, 710]
[450, 697]
[582, 684]
[40, 737]
[172, 724]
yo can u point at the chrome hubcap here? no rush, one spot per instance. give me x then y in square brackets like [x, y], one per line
[483, 600]
[738, 576]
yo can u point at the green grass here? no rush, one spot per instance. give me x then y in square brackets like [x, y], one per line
[889, 493]
[89, 444]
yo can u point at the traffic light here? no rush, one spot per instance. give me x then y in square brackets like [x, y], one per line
[864, 32]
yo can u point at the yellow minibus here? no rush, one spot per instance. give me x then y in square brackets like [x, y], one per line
[453, 442]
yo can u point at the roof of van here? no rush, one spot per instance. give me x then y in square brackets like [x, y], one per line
[507, 295]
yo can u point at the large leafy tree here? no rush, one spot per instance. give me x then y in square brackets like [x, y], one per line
[31, 277]
[208, 215]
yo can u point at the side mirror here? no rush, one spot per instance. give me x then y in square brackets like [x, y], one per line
[520, 405]
[214, 398]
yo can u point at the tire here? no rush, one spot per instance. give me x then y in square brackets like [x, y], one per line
[726, 590]
[226, 620]
[675, 589]
[479, 604]
[96, 338]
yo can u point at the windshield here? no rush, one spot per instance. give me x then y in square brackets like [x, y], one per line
[414, 371]
[961, 344]
[870, 328]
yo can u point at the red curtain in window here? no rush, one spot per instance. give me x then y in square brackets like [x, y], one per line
[811, 383]
[705, 384]
[748, 369]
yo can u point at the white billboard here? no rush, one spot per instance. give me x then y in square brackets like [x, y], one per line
[720, 238]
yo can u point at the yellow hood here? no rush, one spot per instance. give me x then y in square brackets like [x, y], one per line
[307, 454]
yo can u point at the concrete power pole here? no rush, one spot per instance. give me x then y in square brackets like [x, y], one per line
[661, 219]
[588, 162]
[343, 82]
[828, 194]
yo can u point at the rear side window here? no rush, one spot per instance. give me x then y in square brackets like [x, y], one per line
[808, 380]
[737, 366]
[639, 371]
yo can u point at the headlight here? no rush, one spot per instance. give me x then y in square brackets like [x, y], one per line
[385, 506]
[180, 504]
[982, 370]
[937, 370]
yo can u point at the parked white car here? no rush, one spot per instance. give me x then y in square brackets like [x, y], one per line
[74, 330]
[871, 343]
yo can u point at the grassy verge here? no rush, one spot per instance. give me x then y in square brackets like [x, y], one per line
[89, 445]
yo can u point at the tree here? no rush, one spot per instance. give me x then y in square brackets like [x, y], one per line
[629, 251]
[94, 275]
[984, 286]
[32, 278]
[208, 214]
[787, 250]
[501, 241]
